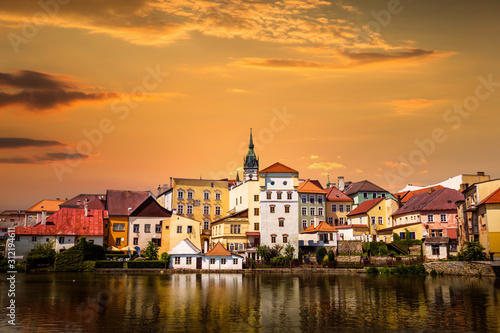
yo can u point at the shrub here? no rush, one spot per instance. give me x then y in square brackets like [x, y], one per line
[43, 254]
[71, 260]
[146, 264]
[288, 252]
[473, 251]
[93, 252]
[331, 256]
[151, 251]
[89, 266]
[267, 254]
[320, 254]
[165, 257]
[279, 259]
[300, 254]
[372, 270]
[108, 264]
[434, 272]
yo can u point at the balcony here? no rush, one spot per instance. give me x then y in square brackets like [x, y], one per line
[206, 232]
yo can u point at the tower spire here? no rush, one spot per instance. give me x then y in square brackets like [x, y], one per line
[250, 145]
[251, 162]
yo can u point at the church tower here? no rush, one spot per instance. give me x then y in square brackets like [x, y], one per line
[251, 162]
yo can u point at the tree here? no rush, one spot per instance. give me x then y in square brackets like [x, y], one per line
[288, 252]
[165, 257]
[473, 251]
[41, 254]
[320, 254]
[331, 256]
[151, 251]
[300, 254]
[263, 253]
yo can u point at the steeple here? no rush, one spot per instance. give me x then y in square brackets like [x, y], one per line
[251, 162]
[328, 183]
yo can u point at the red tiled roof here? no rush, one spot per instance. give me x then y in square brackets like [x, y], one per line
[309, 187]
[118, 202]
[399, 226]
[69, 221]
[363, 186]
[220, 250]
[47, 205]
[317, 183]
[442, 199]
[365, 206]
[80, 200]
[452, 233]
[492, 198]
[334, 194]
[322, 226]
[278, 168]
[407, 195]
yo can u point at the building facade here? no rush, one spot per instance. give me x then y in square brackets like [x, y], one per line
[338, 205]
[312, 204]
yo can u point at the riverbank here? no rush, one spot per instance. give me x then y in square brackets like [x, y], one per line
[229, 271]
[463, 268]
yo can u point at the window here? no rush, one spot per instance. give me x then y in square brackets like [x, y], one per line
[223, 261]
[402, 235]
[373, 219]
[330, 220]
[256, 211]
[383, 195]
[118, 226]
[206, 210]
[341, 208]
[47, 240]
[188, 260]
[272, 209]
[453, 248]
[206, 195]
[303, 198]
[180, 194]
[217, 196]
[374, 195]
[179, 229]
[312, 211]
[435, 250]
[268, 195]
[256, 226]
[289, 195]
[412, 235]
[190, 194]
[256, 197]
[347, 208]
[285, 239]
[212, 261]
[320, 200]
[304, 211]
[136, 228]
[241, 200]
[281, 222]
[189, 209]
[206, 225]
[118, 241]
[320, 211]
[147, 228]
[444, 218]
[217, 210]
[430, 218]
[189, 229]
[33, 238]
[287, 209]
[304, 224]
[312, 222]
[311, 199]
[365, 195]
[334, 208]
[180, 209]
[136, 240]
[341, 221]
[279, 195]
[437, 233]
[235, 228]
[177, 260]
[235, 261]
[273, 239]
[380, 220]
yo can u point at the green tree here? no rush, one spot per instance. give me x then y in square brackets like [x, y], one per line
[473, 251]
[41, 254]
[263, 253]
[288, 252]
[331, 256]
[151, 251]
[320, 254]
[300, 254]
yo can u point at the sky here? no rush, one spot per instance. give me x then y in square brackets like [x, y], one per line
[124, 94]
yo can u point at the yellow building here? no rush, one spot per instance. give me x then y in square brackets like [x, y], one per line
[376, 214]
[415, 229]
[203, 200]
[231, 231]
[176, 229]
[338, 205]
[488, 212]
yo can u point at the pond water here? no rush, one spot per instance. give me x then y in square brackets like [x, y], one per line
[256, 302]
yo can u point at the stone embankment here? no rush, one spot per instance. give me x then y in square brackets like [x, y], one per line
[225, 271]
[461, 268]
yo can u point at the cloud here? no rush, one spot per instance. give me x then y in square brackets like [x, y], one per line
[326, 166]
[37, 91]
[406, 106]
[358, 170]
[394, 165]
[41, 159]
[9, 143]
[313, 157]
[423, 171]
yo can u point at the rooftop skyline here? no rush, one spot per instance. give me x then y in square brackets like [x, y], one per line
[394, 92]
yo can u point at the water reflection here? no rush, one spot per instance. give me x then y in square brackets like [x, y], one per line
[252, 303]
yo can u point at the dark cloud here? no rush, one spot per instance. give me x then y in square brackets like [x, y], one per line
[32, 80]
[7, 143]
[49, 157]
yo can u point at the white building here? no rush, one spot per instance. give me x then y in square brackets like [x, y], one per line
[319, 234]
[220, 258]
[186, 255]
[279, 205]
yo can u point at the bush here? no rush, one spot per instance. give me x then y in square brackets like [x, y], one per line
[151, 251]
[288, 252]
[410, 270]
[71, 260]
[93, 252]
[372, 270]
[331, 256]
[266, 253]
[320, 254]
[300, 254]
[89, 266]
[146, 264]
[165, 257]
[279, 259]
[108, 264]
[43, 254]
[473, 251]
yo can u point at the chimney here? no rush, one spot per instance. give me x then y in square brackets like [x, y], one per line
[170, 182]
[463, 187]
[340, 181]
[431, 190]
[480, 173]
[44, 217]
[316, 221]
[86, 207]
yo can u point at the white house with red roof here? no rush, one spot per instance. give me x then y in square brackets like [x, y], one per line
[64, 228]
[186, 255]
[319, 233]
[279, 205]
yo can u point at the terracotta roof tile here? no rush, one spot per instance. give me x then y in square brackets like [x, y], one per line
[151, 208]
[365, 206]
[47, 205]
[442, 199]
[118, 202]
[334, 194]
[322, 226]
[80, 199]
[406, 195]
[278, 168]
[309, 187]
[220, 250]
[492, 198]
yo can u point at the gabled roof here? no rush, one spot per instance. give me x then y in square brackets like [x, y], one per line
[322, 227]
[278, 168]
[80, 200]
[220, 250]
[363, 186]
[317, 183]
[48, 205]
[151, 208]
[493, 198]
[334, 194]
[185, 246]
[407, 195]
[243, 213]
[71, 222]
[365, 206]
[118, 202]
[309, 187]
[442, 199]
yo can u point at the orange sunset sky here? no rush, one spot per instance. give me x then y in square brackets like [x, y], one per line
[171, 88]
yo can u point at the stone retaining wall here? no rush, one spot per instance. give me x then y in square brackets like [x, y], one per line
[351, 246]
[462, 268]
[230, 271]
[415, 250]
